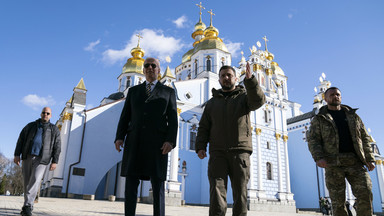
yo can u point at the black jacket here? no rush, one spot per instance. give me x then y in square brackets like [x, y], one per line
[146, 123]
[51, 142]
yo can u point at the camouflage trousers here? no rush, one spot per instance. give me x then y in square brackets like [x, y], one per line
[358, 177]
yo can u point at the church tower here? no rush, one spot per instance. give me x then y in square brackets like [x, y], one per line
[319, 99]
[132, 73]
[209, 53]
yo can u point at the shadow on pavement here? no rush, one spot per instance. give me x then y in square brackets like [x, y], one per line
[5, 212]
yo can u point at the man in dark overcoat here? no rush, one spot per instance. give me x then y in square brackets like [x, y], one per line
[148, 123]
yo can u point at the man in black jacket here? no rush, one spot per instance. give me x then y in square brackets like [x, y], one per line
[148, 123]
[38, 144]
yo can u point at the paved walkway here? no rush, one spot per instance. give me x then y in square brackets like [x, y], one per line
[11, 205]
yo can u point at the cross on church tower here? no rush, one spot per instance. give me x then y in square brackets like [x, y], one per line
[201, 8]
[212, 14]
[265, 39]
[138, 42]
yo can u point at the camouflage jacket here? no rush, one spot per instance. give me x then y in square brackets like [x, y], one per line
[323, 137]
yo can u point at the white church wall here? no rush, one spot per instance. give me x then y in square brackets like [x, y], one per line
[98, 155]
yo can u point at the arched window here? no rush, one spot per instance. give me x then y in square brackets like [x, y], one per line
[262, 80]
[269, 171]
[192, 137]
[128, 82]
[222, 61]
[209, 63]
[254, 67]
[266, 116]
[268, 145]
[282, 88]
[195, 68]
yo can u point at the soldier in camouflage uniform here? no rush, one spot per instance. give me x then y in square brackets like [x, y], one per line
[339, 142]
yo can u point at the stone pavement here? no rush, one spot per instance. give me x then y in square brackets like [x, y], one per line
[11, 205]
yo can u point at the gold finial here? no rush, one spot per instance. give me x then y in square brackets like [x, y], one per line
[277, 135]
[201, 8]
[242, 53]
[285, 138]
[258, 131]
[212, 14]
[265, 39]
[138, 41]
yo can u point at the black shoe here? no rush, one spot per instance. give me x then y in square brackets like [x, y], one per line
[26, 211]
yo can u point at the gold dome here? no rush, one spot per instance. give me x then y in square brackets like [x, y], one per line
[200, 26]
[276, 69]
[211, 32]
[269, 56]
[199, 29]
[135, 64]
[208, 43]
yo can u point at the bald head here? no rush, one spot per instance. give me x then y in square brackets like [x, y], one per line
[46, 114]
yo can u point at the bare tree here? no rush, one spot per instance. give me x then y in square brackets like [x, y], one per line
[4, 164]
[11, 178]
[15, 180]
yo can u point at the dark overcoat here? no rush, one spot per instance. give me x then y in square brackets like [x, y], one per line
[145, 124]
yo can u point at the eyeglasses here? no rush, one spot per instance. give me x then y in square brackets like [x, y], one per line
[45, 113]
[152, 65]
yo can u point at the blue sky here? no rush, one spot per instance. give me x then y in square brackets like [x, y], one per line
[46, 47]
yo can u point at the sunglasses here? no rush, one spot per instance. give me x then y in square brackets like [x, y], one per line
[45, 113]
[152, 65]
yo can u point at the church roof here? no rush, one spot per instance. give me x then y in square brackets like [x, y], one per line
[168, 73]
[302, 117]
[81, 85]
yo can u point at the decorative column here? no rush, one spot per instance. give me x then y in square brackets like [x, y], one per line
[261, 193]
[173, 195]
[380, 175]
[257, 196]
[288, 177]
[280, 194]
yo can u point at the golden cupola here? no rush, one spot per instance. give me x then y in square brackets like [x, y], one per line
[211, 39]
[136, 62]
[276, 69]
[199, 27]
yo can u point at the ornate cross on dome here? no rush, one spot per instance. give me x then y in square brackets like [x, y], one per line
[212, 14]
[201, 7]
[265, 39]
[138, 36]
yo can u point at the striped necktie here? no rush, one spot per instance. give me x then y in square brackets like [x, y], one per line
[148, 89]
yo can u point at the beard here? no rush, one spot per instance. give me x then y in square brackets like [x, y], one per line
[334, 103]
[227, 87]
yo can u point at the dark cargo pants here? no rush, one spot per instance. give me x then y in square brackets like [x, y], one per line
[235, 165]
[352, 169]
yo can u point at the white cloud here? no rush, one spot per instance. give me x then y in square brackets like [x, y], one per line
[154, 43]
[91, 46]
[36, 102]
[233, 48]
[180, 21]
[290, 16]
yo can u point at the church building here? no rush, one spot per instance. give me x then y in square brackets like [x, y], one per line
[90, 165]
